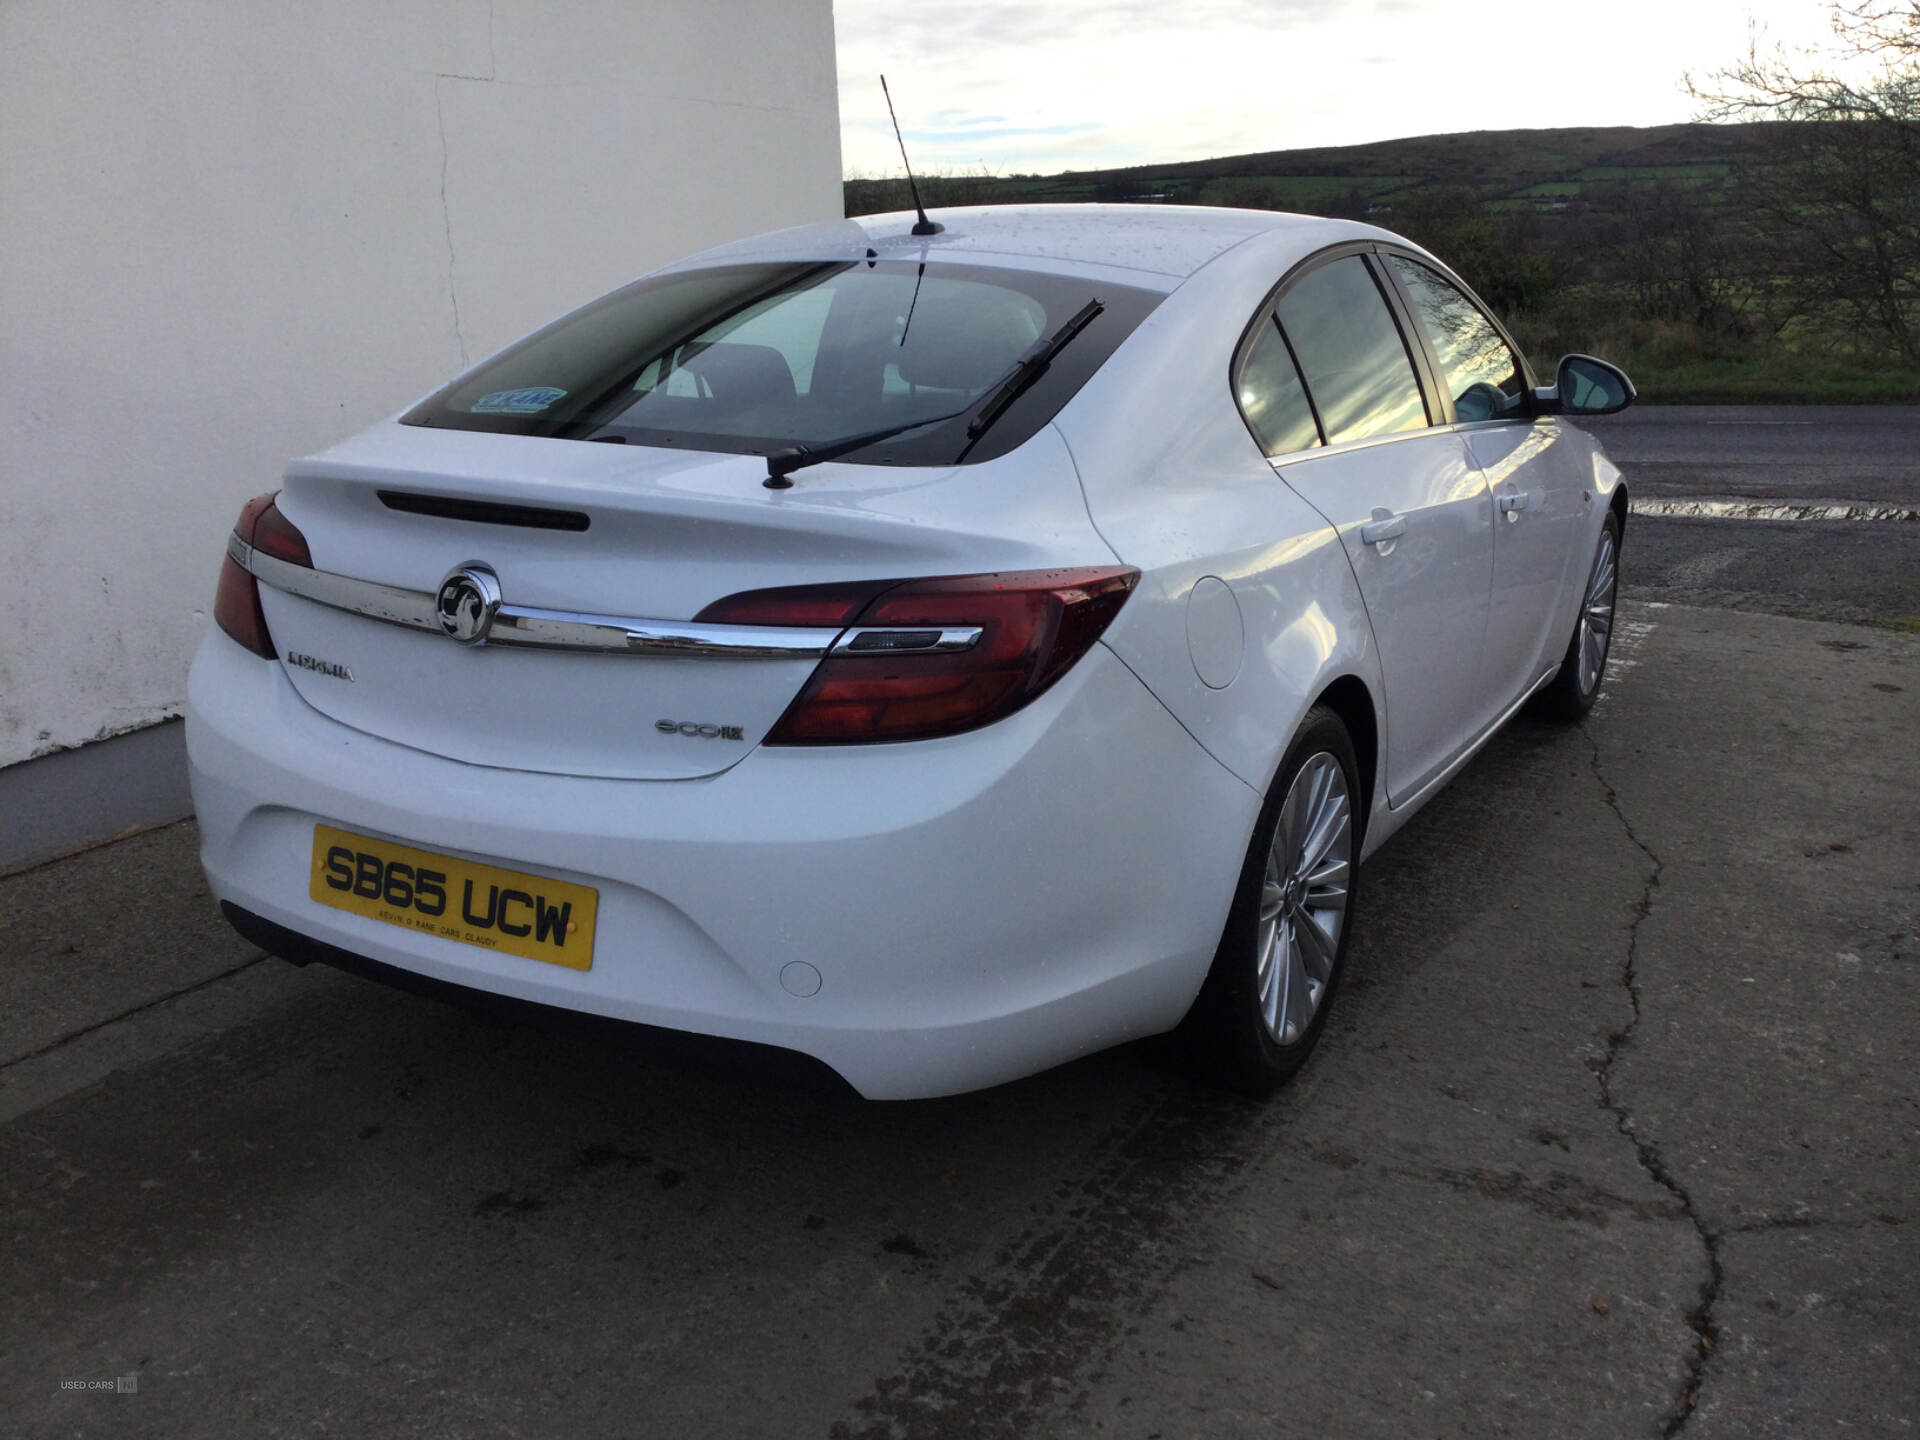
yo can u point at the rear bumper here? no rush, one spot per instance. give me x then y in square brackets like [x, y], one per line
[726, 1056]
[976, 908]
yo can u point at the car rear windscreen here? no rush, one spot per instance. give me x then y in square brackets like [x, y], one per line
[760, 358]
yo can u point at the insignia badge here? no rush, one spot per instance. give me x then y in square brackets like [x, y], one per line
[303, 661]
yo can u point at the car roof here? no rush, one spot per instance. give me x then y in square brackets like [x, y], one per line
[1153, 246]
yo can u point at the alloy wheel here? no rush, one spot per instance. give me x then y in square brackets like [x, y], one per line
[1596, 614]
[1303, 898]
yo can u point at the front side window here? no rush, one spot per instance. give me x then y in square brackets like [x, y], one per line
[763, 357]
[1356, 364]
[1482, 372]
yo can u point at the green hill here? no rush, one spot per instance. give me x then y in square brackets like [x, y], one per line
[1638, 244]
[1539, 170]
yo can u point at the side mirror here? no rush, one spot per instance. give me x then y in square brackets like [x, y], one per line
[1586, 386]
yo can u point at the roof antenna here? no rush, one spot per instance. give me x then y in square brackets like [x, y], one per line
[922, 226]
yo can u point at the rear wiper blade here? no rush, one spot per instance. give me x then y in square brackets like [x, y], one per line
[782, 463]
[1009, 388]
[1026, 370]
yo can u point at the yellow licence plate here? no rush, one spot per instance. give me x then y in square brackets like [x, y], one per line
[525, 915]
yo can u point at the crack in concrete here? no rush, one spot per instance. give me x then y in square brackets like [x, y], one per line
[1562, 1195]
[85, 1030]
[28, 867]
[1701, 1318]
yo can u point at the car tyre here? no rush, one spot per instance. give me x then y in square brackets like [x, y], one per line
[1265, 1001]
[1576, 685]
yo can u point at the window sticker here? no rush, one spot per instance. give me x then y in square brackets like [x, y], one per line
[530, 401]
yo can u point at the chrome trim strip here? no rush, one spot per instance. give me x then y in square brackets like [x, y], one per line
[528, 627]
[536, 629]
[944, 641]
[412, 608]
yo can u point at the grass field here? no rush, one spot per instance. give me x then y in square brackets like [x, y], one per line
[1775, 381]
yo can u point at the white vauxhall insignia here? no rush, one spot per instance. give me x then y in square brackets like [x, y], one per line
[943, 655]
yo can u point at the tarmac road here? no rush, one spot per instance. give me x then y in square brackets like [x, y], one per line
[1770, 452]
[1616, 1132]
[1866, 456]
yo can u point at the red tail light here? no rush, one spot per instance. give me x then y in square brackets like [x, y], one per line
[1033, 625]
[808, 605]
[236, 601]
[274, 535]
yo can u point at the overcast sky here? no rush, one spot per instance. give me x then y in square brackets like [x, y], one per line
[1048, 85]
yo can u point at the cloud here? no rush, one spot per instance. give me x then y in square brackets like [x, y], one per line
[959, 119]
[961, 27]
[969, 136]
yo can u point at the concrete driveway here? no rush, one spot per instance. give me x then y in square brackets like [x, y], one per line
[1616, 1132]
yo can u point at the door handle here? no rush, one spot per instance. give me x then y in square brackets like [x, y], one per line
[1383, 528]
[1518, 501]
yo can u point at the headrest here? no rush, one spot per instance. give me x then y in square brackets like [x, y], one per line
[744, 374]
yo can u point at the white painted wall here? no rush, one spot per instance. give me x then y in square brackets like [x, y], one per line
[233, 232]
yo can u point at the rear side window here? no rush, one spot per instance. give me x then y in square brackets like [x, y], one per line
[757, 358]
[1482, 372]
[1272, 398]
[1355, 361]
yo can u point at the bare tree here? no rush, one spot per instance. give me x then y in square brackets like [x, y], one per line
[1673, 249]
[1836, 210]
[1871, 28]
